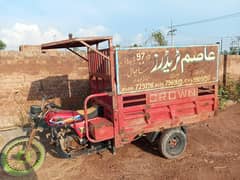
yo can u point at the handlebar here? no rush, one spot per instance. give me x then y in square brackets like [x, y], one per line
[47, 104]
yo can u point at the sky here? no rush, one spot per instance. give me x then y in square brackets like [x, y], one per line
[129, 22]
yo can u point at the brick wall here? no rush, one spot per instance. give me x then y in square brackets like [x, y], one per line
[229, 68]
[25, 74]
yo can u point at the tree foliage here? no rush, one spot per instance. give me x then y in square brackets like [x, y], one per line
[117, 46]
[234, 50]
[136, 45]
[159, 38]
[2, 45]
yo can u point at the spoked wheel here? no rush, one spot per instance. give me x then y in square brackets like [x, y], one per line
[16, 161]
[172, 143]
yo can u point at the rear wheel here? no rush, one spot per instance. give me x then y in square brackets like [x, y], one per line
[16, 161]
[172, 143]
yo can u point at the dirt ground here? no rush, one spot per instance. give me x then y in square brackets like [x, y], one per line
[213, 152]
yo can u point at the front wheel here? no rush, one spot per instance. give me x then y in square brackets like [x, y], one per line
[15, 161]
[172, 143]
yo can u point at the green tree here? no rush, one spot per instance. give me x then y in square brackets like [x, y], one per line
[159, 38]
[117, 46]
[2, 45]
[136, 45]
[234, 50]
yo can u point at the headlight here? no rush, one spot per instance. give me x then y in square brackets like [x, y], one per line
[35, 109]
[34, 112]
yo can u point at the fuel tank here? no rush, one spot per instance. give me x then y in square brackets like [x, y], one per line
[62, 117]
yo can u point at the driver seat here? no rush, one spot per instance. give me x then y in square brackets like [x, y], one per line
[92, 112]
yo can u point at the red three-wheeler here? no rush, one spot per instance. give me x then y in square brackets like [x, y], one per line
[150, 92]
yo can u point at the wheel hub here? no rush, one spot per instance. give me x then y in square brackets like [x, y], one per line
[173, 142]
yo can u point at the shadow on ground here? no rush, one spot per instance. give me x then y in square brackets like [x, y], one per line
[146, 146]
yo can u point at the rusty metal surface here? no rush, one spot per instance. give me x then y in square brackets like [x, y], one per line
[158, 68]
[75, 42]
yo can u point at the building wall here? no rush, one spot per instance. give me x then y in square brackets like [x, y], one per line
[229, 67]
[27, 74]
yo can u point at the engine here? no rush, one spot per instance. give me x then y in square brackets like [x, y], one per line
[67, 141]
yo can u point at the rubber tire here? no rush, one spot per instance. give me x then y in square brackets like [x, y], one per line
[164, 147]
[7, 169]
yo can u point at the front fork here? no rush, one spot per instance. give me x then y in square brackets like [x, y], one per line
[31, 137]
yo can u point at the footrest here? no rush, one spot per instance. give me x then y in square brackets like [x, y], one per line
[101, 129]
